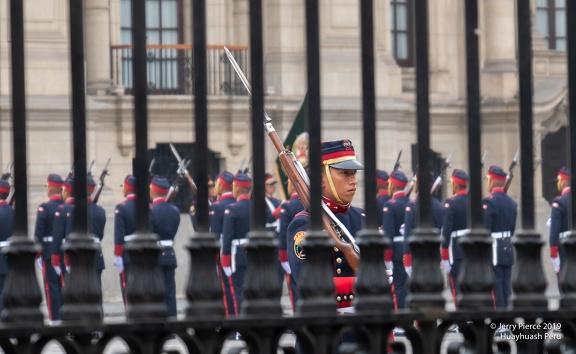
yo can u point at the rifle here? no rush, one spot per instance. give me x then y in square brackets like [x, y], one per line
[96, 194]
[8, 171]
[483, 159]
[150, 168]
[70, 172]
[297, 175]
[440, 177]
[180, 174]
[410, 185]
[247, 168]
[90, 168]
[511, 171]
[242, 165]
[183, 171]
[397, 163]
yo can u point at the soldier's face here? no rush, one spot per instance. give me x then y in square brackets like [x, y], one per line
[344, 183]
[270, 188]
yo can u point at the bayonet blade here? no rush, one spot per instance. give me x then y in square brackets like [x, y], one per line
[238, 70]
[107, 164]
[90, 168]
[175, 152]
[515, 159]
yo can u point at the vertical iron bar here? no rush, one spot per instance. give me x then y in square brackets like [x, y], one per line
[474, 126]
[19, 118]
[571, 62]
[369, 107]
[78, 115]
[314, 118]
[140, 88]
[257, 61]
[422, 112]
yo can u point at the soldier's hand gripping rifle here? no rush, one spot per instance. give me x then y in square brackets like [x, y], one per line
[182, 168]
[410, 185]
[511, 171]
[180, 175]
[438, 181]
[297, 175]
[8, 171]
[397, 163]
[96, 194]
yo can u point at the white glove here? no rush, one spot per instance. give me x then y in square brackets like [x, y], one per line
[58, 270]
[408, 270]
[389, 274]
[389, 265]
[402, 229]
[119, 263]
[227, 271]
[68, 269]
[286, 267]
[555, 264]
[39, 262]
[549, 222]
[446, 266]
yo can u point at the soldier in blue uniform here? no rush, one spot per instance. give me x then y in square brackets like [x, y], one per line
[235, 227]
[223, 189]
[454, 227]
[59, 228]
[559, 218]
[97, 217]
[273, 215]
[410, 223]
[211, 199]
[500, 220]
[164, 221]
[383, 196]
[394, 211]
[6, 228]
[124, 229]
[338, 189]
[43, 236]
[288, 209]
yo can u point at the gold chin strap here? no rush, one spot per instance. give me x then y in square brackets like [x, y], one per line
[331, 183]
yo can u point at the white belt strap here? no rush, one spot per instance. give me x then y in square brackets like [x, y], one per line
[129, 238]
[500, 234]
[96, 239]
[564, 234]
[4, 243]
[166, 243]
[398, 239]
[235, 243]
[47, 239]
[239, 241]
[459, 233]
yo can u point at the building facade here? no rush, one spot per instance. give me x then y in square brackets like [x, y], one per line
[171, 103]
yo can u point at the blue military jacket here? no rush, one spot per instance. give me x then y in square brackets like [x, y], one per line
[164, 221]
[288, 211]
[98, 218]
[381, 199]
[271, 220]
[352, 219]
[235, 227]
[410, 219]
[455, 224]
[393, 217]
[6, 228]
[559, 221]
[59, 231]
[500, 220]
[124, 224]
[44, 222]
[217, 213]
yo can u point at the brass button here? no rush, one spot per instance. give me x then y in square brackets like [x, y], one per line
[351, 297]
[336, 249]
[338, 298]
[345, 298]
[163, 253]
[338, 271]
[338, 260]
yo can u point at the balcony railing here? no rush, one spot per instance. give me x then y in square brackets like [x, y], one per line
[170, 69]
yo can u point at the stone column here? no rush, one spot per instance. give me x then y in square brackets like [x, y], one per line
[97, 46]
[499, 43]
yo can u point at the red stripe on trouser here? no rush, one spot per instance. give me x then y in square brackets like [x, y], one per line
[290, 290]
[394, 298]
[493, 298]
[224, 299]
[47, 289]
[453, 286]
[123, 277]
[233, 295]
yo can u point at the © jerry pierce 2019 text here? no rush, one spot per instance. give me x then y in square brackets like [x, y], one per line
[546, 326]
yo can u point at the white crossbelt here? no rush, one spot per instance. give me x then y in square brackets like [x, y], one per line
[564, 234]
[95, 239]
[235, 243]
[459, 233]
[129, 237]
[166, 243]
[239, 241]
[398, 239]
[47, 239]
[500, 234]
[4, 243]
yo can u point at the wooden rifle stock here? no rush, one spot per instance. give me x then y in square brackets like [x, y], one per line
[301, 187]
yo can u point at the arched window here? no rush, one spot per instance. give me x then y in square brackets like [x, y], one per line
[551, 22]
[402, 32]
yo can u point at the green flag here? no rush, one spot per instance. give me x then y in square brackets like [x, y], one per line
[297, 142]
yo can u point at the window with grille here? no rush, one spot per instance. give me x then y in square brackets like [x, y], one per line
[551, 22]
[402, 32]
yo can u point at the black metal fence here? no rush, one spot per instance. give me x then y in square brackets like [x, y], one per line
[316, 323]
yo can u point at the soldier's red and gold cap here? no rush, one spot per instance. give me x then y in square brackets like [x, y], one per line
[90, 183]
[225, 179]
[340, 154]
[54, 180]
[398, 178]
[460, 177]
[160, 184]
[130, 183]
[243, 180]
[381, 177]
[69, 184]
[496, 173]
[564, 173]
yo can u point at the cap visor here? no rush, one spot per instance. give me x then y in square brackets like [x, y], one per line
[348, 165]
